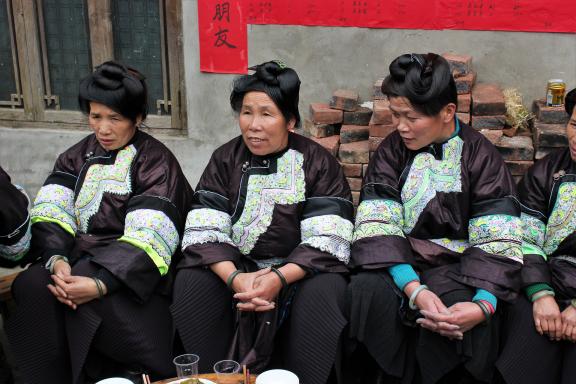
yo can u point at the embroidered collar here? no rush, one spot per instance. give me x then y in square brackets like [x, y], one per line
[436, 149]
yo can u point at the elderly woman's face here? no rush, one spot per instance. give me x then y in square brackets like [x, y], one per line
[264, 128]
[418, 130]
[571, 134]
[112, 130]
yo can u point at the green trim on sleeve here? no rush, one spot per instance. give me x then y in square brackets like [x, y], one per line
[535, 288]
[43, 219]
[156, 258]
[531, 249]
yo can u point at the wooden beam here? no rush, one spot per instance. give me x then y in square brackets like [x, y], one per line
[100, 26]
[176, 63]
[28, 48]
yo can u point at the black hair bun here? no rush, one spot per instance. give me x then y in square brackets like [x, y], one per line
[268, 72]
[110, 75]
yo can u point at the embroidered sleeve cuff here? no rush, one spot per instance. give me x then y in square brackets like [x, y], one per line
[402, 274]
[482, 294]
[535, 288]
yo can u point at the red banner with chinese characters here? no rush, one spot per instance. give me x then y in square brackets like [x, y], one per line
[487, 15]
[222, 33]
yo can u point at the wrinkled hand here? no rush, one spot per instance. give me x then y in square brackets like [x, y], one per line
[74, 290]
[547, 317]
[569, 323]
[61, 268]
[244, 281]
[462, 317]
[266, 288]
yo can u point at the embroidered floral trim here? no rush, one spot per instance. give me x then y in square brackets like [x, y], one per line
[371, 229]
[497, 234]
[428, 176]
[385, 211]
[378, 218]
[16, 251]
[55, 203]
[114, 178]
[534, 230]
[286, 186]
[155, 229]
[328, 233]
[562, 220]
[206, 225]
[453, 245]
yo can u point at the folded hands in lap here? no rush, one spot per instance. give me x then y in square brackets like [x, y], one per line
[69, 289]
[450, 322]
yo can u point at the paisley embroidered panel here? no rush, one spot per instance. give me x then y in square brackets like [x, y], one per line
[562, 220]
[428, 176]
[497, 234]
[206, 225]
[55, 203]
[154, 232]
[328, 233]
[113, 178]
[286, 186]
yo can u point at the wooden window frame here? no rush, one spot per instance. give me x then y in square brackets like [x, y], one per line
[33, 78]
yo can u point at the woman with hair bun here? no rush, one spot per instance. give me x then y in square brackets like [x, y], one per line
[105, 229]
[540, 329]
[437, 239]
[267, 241]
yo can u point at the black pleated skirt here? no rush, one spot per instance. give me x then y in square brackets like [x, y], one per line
[302, 334]
[55, 344]
[382, 324]
[529, 358]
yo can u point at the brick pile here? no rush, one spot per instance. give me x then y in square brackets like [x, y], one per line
[343, 128]
[549, 131]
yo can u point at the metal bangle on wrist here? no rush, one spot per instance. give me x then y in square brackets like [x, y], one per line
[280, 276]
[231, 277]
[52, 261]
[411, 302]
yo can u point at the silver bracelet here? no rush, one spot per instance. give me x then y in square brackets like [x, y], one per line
[540, 294]
[413, 296]
[51, 261]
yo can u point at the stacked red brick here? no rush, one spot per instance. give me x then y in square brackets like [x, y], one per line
[549, 128]
[342, 128]
[465, 78]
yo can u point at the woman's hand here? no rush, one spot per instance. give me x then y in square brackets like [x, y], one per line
[462, 317]
[266, 288]
[78, 289]
[61, 268]
[547, 317]
[244, 281]
[569, 323]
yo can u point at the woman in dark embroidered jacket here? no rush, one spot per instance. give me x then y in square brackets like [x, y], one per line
[105, 228]
[436, 240]
[266, 241]
[541, 326]
[14, 223]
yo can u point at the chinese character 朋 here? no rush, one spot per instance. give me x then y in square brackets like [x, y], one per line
[222, 10]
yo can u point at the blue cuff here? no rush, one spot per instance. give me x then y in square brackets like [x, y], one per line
[482, 294]
[402, 274]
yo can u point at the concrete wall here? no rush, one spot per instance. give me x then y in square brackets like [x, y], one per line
[330, 58]
[28, 155]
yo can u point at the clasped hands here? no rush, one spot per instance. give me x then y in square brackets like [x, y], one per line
[550, 321]
[451, 322]
[72, 290]
[256, 291]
